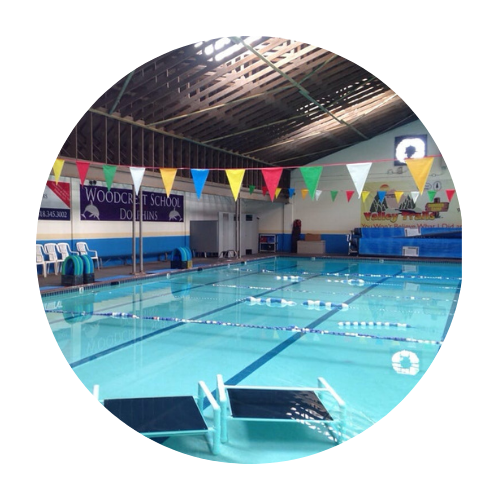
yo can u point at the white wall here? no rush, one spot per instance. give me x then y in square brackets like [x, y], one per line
[327, 217]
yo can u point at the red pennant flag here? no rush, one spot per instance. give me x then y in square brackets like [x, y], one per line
[264, 190]
[349, 195]
[450, 193]
[271, 178]
[83, 168]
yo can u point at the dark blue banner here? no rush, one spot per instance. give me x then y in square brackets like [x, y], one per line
[97, 203]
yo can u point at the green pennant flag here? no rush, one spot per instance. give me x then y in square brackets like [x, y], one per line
[251, 188]
[334, 194]
[109, 174]
[311, 177]
[431, 195]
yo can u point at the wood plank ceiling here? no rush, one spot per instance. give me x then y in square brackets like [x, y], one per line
[260, 101]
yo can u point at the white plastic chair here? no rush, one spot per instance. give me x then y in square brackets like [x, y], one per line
[53, 256]
[40, 259]
[65, 250]
[83, 249]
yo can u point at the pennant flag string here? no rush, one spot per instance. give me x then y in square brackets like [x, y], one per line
[418, 168]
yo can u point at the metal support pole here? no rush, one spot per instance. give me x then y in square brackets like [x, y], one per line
[134, 208]
[141, 249]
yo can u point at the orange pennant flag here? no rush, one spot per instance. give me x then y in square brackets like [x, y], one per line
[168, 176]
[419, 169]
[235, 177]
[57, 168]
[304, 193]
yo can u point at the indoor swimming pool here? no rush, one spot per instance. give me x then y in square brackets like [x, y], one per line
[370, 328]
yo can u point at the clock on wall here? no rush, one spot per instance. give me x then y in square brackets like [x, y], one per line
[409, 146]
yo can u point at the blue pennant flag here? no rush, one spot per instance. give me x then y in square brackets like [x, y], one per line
[291, 191]
[199, 179]
[381, 196]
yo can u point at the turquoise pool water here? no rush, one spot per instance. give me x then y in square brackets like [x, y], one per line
[370, 328]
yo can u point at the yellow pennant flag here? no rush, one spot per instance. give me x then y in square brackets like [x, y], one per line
[277, 192]
[57, 168]
[168, 176]
[235, 177]
[304, 193]
[364, 195]
[398, 195]
[419, 169]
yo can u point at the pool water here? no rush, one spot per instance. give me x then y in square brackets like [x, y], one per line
[370, 328]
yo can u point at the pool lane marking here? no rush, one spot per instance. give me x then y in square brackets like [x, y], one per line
[451, 313]
[131, 342]
[243, 374]
[181, 289]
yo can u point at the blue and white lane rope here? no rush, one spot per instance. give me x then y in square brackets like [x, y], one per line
[293, 329]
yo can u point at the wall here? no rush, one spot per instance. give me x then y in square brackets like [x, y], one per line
[114, 239]
[333, 220]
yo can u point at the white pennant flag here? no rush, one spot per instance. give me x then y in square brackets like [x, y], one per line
[359, 173]
[414, 195]
[137, 175]
[317, 194]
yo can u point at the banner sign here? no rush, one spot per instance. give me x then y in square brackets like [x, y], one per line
[99, 203]
[389, 206]
[55, 202]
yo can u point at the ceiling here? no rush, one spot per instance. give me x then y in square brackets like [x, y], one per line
[265, 101]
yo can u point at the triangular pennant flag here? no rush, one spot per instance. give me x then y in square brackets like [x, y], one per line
[381, 196]
[277, 192]
[109, 174]
[291, 192]
[317, 194]
[311, 177]
[349, 195]
[359, 173]
[419, 169]
[264, 190]
[251, 188]
[431, 195]
[168, 177]
[271, 178]
[57, 168]
[199, 176]
[333, 195]
[83, 168]
[398, 195]
[137, 174]
[414, 196]
[450, 193]
[304, 192]
[235, 177]
[364, 195]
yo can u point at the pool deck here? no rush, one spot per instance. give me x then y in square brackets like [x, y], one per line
[52, 283]
[107, 274]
